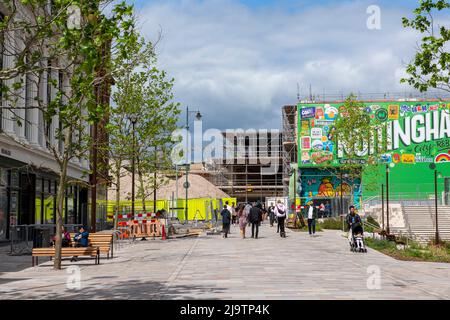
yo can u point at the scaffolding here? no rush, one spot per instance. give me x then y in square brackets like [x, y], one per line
[245, 174]
[289, 151]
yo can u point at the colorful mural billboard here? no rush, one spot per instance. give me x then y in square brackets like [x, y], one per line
[323, 184]
[419, 132]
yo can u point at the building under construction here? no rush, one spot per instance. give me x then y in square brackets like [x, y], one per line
[251, 167]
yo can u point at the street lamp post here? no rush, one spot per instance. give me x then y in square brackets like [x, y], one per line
[436, 205]
[341, 203]
[188, 161]
[436, 175]
[133, 120]
[154, 182]
[387, 200]
[382, 205]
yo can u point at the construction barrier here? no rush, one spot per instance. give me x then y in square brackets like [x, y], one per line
[198, 209]
[139, 228]
[123, 225]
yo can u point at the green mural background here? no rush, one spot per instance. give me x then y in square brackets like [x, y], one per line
[409, 165]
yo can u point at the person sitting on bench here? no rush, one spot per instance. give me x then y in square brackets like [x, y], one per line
[81, 239]
[65, 238]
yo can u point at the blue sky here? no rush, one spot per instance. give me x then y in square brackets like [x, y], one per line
[239, 61]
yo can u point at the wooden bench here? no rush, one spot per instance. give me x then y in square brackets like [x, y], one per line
[65, 252]
[104, 241]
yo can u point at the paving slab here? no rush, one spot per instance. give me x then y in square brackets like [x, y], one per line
[211, 267]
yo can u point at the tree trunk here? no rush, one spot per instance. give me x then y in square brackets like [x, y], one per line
[118, 165]
[60, 196]
[142, 187]
[141, 184]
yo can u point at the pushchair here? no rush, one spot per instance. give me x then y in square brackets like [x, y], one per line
[356, 238]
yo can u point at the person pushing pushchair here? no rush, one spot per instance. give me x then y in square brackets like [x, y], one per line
[356, 231]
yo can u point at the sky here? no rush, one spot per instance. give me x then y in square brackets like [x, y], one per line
[239, 61]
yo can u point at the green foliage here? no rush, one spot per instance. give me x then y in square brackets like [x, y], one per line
[413, 251]
[359, 135]
[380, 244]
[331, 224]
[145, 93]
[429, 68]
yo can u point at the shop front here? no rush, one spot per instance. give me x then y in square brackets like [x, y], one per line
[28, 197]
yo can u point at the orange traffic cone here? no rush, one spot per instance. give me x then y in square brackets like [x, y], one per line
[163, 233]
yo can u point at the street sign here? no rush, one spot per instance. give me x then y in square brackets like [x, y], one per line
[186, 185]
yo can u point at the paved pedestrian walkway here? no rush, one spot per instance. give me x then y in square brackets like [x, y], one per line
[210, 267]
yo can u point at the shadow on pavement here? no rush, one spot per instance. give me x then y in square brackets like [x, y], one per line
[129, 290]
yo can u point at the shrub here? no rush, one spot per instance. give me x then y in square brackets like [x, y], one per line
[331, 224]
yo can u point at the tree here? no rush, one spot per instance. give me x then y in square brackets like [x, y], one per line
[357, 136]
[142, 90]
[73, 61]
[431, 64]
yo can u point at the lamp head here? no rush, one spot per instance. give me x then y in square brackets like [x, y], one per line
[133, 118]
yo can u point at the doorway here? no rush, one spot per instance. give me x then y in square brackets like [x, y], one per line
[27, 199]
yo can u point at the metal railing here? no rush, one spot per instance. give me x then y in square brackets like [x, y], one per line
[406, 199]
[24, 238]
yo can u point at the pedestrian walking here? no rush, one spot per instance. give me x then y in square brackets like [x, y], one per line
[226, 220]
[231, 210]
[255, 219]
[311, 213]
[328, 209]
[265, 212]
[243, 213]
[281, 213]
[234, 217]
[271, 214]
[322, 210]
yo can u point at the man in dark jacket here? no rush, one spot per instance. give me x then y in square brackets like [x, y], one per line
[81, 239]
[311, 215]
[226, 220]
[255, 219]
[352, 218]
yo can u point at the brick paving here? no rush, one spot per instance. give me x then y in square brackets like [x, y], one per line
[210, 267]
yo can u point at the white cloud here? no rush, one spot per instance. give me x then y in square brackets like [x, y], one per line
[239, 66]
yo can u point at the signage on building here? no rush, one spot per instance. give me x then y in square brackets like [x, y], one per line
[309, 112]
[418, 133]
[6, 152]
